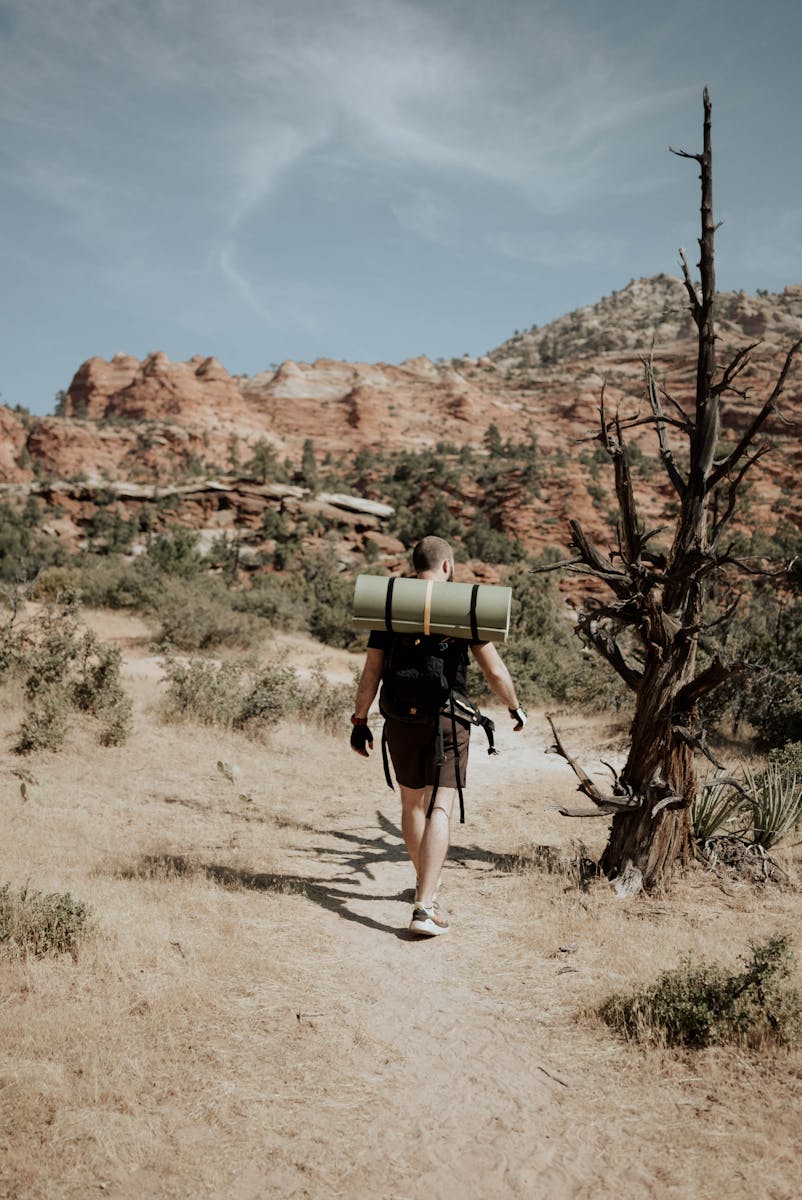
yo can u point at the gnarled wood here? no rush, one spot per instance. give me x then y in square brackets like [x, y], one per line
[660, 598]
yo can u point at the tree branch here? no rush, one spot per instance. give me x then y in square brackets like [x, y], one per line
[603, 641]
[599, 563]
[706, 681]
[696, 307]
[732, 494]
[666, 453]
[586, 784]
[729, 462]
[733, 370]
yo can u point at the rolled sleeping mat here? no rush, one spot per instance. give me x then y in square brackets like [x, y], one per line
[478, 611]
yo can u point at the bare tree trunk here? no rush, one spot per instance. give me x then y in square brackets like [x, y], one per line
[660, 599]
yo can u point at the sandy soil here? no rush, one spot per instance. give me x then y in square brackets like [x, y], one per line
[251, 1018]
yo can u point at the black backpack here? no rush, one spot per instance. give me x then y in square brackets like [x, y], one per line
[416, 689]
[415, 686]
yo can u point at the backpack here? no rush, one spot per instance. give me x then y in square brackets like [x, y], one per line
[416, 689]
[415, 686]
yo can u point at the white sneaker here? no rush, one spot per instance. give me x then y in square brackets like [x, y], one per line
[427, 921]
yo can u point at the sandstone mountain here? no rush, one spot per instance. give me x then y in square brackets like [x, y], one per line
[128, 431]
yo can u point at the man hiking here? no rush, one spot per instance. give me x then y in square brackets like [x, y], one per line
[423, 763]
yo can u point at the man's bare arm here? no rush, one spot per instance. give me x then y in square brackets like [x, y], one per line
[496, 674]
[369, 683]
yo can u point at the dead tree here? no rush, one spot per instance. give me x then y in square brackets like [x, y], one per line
[659, 598]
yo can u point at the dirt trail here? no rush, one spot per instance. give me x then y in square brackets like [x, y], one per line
[255, 1021]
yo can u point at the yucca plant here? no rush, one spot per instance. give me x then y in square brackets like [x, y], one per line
[718, 807]
[776, 803]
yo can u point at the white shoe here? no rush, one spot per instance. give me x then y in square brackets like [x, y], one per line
[427, 921]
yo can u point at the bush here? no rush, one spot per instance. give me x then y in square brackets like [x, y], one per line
[54, 582]
[176, 553]
[205, 692]
[114, 582]
[776, 803]
[330, 618]
[716, 807]
[97, 689]
[251, 698]
[702, 1005]
[66, 669]
[38, 923]
[325, 704]
[270, 694]
[24, 550]
[46, 722]
[199, 616]
[280, 599]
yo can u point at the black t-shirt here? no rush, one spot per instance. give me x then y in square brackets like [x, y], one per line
[453, 650]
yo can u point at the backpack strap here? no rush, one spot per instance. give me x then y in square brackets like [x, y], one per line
[385, 759]
[441, 758]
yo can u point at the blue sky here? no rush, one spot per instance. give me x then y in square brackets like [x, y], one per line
[372, 179]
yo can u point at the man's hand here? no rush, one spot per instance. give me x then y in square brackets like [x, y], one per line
[361, 736]
[519, 716]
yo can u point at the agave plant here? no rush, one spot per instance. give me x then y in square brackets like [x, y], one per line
[776, 803]
[718, 807]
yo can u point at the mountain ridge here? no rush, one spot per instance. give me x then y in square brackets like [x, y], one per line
[160, 424]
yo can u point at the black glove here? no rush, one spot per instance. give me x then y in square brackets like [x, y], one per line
[519, 716]
[361, 736]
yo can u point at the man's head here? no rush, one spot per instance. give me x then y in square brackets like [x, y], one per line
[433, 558]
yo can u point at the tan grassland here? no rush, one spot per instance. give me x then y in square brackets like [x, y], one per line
[250, 1019]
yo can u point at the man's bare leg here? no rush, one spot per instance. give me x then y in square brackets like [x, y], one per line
[434, 843]
[413, 822]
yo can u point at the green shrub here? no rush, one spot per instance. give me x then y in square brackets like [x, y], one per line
[24, 549]
[330, 616]
[176, 553]
[788, 758]
[64, 669]
[325, 704]
[280, 599]
[46, 721]
[38, 923]
[199, 616]
[97, 689]
[702, 1005]
[251, 698]
[718, 807]
[776, 803]
[204, 692]
[54, 582]
[270, 694]
[114, 582]
[544, 656]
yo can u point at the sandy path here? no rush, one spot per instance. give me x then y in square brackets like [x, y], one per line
[262, 1025]
[445, 1088]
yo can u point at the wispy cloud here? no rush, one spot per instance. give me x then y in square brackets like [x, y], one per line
[559, 248]
[165, 128]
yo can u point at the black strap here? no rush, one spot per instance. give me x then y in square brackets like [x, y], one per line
[440, 758]
[456, 763]
[474, 626]
[385, 759]
[388, 604]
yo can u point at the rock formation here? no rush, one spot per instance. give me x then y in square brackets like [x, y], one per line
[162, 424]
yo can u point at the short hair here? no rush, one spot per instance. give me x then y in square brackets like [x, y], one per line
[430, 552]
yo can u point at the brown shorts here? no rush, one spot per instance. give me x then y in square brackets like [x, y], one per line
[412, 752]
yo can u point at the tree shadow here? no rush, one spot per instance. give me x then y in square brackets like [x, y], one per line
[355, 856]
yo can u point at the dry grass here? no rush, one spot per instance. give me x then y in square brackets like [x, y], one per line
[249, 1019]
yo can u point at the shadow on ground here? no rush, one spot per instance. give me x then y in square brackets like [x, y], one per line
[355, 857]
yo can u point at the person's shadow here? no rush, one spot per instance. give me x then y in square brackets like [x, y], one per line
[356, 858]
